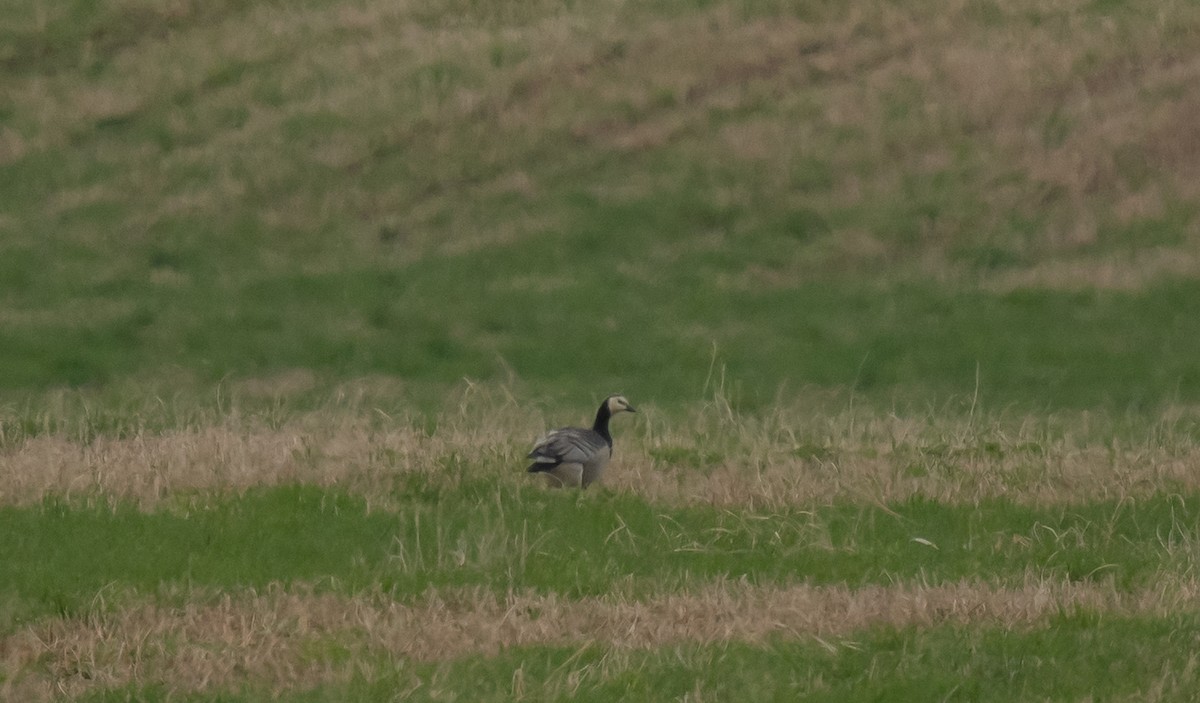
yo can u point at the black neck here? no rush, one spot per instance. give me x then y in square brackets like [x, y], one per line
[600, 426]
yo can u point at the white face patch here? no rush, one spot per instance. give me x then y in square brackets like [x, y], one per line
[617, 404]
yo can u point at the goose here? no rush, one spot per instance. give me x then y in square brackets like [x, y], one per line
[574, 456]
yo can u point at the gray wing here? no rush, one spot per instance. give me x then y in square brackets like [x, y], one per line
[569, 445]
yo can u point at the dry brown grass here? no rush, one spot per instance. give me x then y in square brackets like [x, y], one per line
[1124, 270]
[791, 456]
[283, 639]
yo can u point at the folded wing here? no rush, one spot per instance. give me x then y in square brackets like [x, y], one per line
[570, 445]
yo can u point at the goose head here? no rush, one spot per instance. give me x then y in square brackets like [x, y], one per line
[617, 403]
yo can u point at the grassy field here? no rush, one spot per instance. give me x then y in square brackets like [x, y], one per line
[906, 293]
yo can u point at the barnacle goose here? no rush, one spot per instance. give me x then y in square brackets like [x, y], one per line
[574, 456]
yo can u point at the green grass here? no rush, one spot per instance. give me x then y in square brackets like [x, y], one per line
[58, 557]
[179, 209]
[1071, 658]
[917, 344]
[221, 215]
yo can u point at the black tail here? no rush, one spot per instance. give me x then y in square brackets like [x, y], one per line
[538, 467]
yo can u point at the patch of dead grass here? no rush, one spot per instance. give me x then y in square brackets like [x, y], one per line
[286, 639]
[798, 459]
[714, 456]
[1127, 270]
